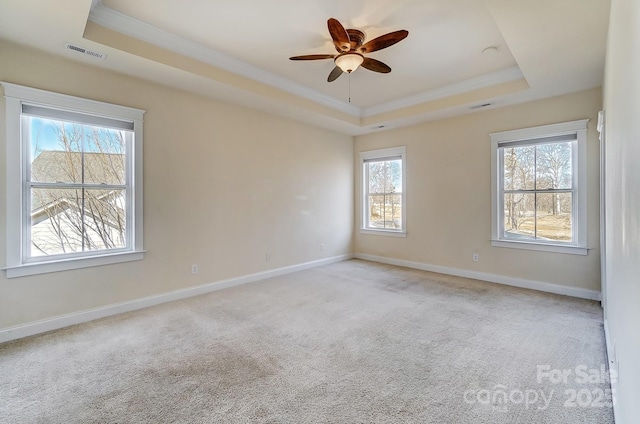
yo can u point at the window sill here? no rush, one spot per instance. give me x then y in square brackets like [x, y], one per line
[383, 232]
[72, 263]
[555, 248]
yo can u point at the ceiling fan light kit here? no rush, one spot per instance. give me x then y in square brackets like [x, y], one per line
[349, 62]
[351, 48]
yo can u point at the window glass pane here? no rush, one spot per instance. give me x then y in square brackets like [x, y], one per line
[393, 212]
[104, 168]
[376, 177]
[519, 168]
[104, 158]
[104, 219]
[383, 186]
[56, 151]
[553, 166]
[76, 220]
[553, 217]
[393, 182]
[56, 221]
[519, 216]
[59, 150]
[376, 211]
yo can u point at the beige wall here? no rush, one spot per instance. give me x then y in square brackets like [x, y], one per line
[223, 185]
[448, 194]
[622, 174]
[226, 184]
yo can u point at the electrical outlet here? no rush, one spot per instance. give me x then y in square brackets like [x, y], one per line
[267, 256]
[194, 269]
[476, 257]
[322, 247]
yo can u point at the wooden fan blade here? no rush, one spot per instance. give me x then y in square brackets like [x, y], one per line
[334, 74]
[313, 57]
[339, 35]
[375, 65]
[383, 41]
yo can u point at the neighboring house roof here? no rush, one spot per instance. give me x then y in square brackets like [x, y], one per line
[67, 167]
[61, 166]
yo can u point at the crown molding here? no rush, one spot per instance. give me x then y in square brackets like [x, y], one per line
[114, 20]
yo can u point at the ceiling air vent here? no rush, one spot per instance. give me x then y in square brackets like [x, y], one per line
[87, 52]
[481, 105]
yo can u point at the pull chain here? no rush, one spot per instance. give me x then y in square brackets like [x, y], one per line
[349, 87]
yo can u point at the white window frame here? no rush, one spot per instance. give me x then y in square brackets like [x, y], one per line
[579, 193]
[17, 167]
[389, 153]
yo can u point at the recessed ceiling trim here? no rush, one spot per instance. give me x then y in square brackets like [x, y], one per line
[487, 80]
[116, 21]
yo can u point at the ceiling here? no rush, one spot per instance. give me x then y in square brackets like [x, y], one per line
[238, 51]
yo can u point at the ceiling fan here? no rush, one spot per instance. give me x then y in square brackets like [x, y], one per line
[351, 50]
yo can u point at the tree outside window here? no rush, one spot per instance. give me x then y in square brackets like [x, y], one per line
[383, 200]
[77, 187]
[538, 191]
[539, 188]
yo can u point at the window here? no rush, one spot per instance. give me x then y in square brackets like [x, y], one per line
[539, 188]
[74, 182]
[383, 202]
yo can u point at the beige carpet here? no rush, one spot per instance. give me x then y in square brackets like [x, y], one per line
[352, 342]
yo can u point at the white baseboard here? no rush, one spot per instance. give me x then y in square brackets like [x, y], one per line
[612, 365]
[55, 323]
[492, 278]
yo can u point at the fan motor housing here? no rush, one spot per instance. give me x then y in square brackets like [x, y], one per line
[356, 38]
